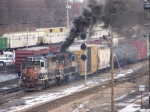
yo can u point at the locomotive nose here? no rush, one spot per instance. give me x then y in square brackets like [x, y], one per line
[31, 72]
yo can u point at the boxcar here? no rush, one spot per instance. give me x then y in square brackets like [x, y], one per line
[19, 40]
[3, 44]
[98, 58]
[50, 38]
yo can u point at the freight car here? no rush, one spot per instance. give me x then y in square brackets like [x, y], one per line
[3, 44]
[125, 54]
[15, 40]
[55, 68]
[98, 58]
[41, 71]
[12, 41]
[140, 44]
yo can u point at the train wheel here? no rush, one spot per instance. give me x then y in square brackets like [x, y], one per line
[135, 61]
[1, 52]
[2, 64]
[121, 64]
[43, 85]
[46, 84]
[76, 76]
[66, 79]
[56, 81]
[59, 81]
[124, 63]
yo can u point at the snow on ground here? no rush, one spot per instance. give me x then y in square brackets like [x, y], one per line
[11, 86]
[123, 96]
[81, 106]
[135, 107]
[49, 96]
[6, 77]
[38, 99]
[124, 73]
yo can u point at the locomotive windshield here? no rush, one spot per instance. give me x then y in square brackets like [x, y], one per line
[32, 63]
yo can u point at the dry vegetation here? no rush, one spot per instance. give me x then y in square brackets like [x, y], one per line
[37, 13]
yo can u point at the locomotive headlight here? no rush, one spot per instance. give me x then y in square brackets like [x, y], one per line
[35, 68]
[35, 78]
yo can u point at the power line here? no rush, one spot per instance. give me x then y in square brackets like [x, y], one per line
[121, 13]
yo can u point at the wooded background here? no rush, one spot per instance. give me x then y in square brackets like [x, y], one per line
[18, 15]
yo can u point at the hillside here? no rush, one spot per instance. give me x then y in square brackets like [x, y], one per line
[18, 15]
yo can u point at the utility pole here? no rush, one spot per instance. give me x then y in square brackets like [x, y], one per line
[112, 66]
[146, 6]
[67, 17]
[68, 7]
[85, 64]
[149, 73]
[112, 73]
[27, 37]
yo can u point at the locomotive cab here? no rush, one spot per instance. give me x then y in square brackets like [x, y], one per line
[33, 69]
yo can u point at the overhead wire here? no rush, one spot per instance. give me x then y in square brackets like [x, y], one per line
[115, 14]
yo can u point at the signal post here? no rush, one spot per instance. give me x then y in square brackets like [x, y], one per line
[83, 56]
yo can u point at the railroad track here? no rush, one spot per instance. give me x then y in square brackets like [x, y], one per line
[6, 91]
[9, 82]
[132, 76]
[18, 95]
[79, 95]
[3, 98]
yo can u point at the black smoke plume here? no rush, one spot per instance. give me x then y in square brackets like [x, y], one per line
[83, 22]
[127, 13]
[109, 12]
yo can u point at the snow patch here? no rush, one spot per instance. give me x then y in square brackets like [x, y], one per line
[38, 99]
[81, 106]
[6, 77]
[123, 96]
